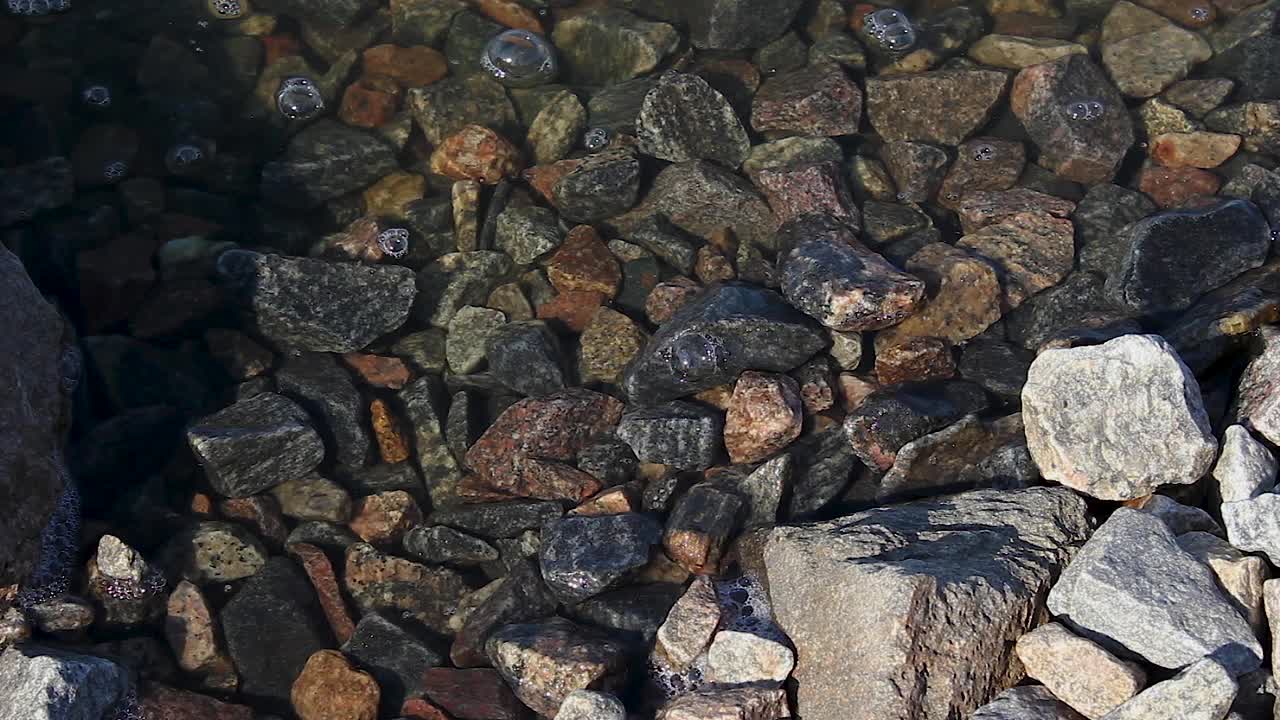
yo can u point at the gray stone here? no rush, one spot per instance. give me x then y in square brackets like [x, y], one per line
[1253, 525]
[443, 108]
[680, 434]
[519, 597]
[582, 556]
[455, 280]
[713, 703]
[468, 332]
[701, 525]
[764, 489]
[1178, 517]
[214, 551]
[743, 658]
[444, 545]
[869, 600]
[1145, 63]
[1241, 576]
[1027, 702]
[601, 186]
[525, 356]
[395, 655]
[918, 169]
[45, 683]
[1100, 219]
[668, 242]
[942, 106]
[312, 497]
[1246, 468]
[527, 233]
[325, 390]
[684, 118]
[1117, 420]
[703, 198]
[324, 162]
[606, 46]
[690, 625]
[1132, 586]
[1203, 691]
[255, 444]
[738, 24]
[545, 662]
[591, 705]
[1257, 404]
[496, 520]
[434, 459]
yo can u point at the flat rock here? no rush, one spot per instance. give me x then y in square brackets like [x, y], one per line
[633, 46]
[1079, 671]
[1203, 691]
[975, 563]
[396, 657]
[818, 100]
[683, 118]
[1253, 525]
[1145, 63]
[1122, 455]
[254, 444]
[942, 106]
[325, 390]
[747, 703]
[1242, 576]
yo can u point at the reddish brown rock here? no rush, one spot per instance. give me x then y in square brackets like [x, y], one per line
[379, 370]
[510, 14]
[583, 263]
[329, 688]
[422, 709]
[982, 164]
[260, 512]
[476, 153]
[572, 309]
[543, 178]
[369, 102]
[614, 501]
[667, 297]
[320, 571]
[392, 444]
[964, 296]
[478, 694]
[711, 266]
[192, 632]
[165, 703]
[979, 209]
[115, 279]
[764, 416]
[921, 358]
[853, 390]
[796, 191]
[817, 100]
[1194, 149]
[383, 518]
[1173, 187]
[411, 67]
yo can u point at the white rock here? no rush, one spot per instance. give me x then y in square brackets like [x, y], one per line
[1246, 467]
[591, 705]
[738, 658]
[1253, 525]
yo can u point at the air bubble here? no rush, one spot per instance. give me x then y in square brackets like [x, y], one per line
[394, 242]
[984, 151]
[226, 9]
[96, 96]
[299, 99]
[1085, 109]
[596, 139]
[1199, 13]
[891, 28]
[37, 7]
[694, 356]
[519, 58]
[186, 158]
[115, 170]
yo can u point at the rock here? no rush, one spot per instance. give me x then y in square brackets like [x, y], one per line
[1257, 404]
[468, 332]
[683, 118]
[1251, 525]
[763, 417]
[608, 344]
[962, 297]
[556, 129]
[1085, 151]
[164, 703]
[982, 164]
[476, 153]
[1177, 187]
[434, 459]
[1197, 149]
[329, 688]
[703, 198]
[312, 497]
[671, 244]
[456, 280]
[478, 694]
[738, 24]
[797, 190]
[212, 551]
[968, 454]
[942, 107]
[917, 169]
[634, 46]
[193, 636]
[679, 434]
[498, 519]
[544, 662]
[1242, 576]
[527, 233]
[444, 545]
[891, 417]
[444, 108]
[1167, 265]
[525, 357]
[750, 703]
[833, 585]
[1246, 468]
[1178, 517]
[522, 596]
[999, 367]
[690, 625]
[255, 444]
[1078, 671]
[1069, 389]
[1014, 53]
[701, 525]
[982, 208]
[583, 262]
[838, 281]
[413, 66]
[599, 186]
[1257, 122]
[818, 101]
[395, 656]
[323, 162]
[1203, 691]
[1159, 604]
[1026, 702]
[26, 190]
[1145, 63]
[582, 556]
[1033, 252]
[369, 102]
[383, 518]
[764, 489]
[272, 627]
[44, 682]
[743, 658]
[712, 339]
[590, 705]
[1100, 219]
[315, 563]
[326, 392]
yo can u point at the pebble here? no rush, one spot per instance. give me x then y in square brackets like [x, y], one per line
[1014, 52]
[212, 551]
[743, 658]
[445, 546]
[943, 107]
[689, 626]
[917, 169]
[443, 109]
[1078, 671]
[679, 434]
[1026, 702]
[599, 186]
[469, 331]
[1202, 691]
[239, 464]
[455, 280]
[607, 346]
[193, 636]
[526, 357]
[477, 153]
[323, 162]
[329, 688]
[315, 563]
[378, 582]
[384, 518]
[797, 190]
[167, 703]
[1246, 468]
[414, 66]
[683, 118]
[703, 199]
[818, 101]
[545, 662]
[1145, 63]
[633, 46]
[739, 24]
[583, 262]
[889, 418]
[982, 164]
[520, 597]
[1100, 219]
[700, 526]
[763, 416]
[556, 129]
[1032, 251]
[964, 299]
[1197, 149]
[369, 102]
[394, 655]
[1177, 187]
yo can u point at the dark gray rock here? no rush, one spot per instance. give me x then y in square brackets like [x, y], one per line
[521, 597]
[1177, 255]
[317, 383]
[445, 107]
[683, 118]
[1100, 219]
[738, 24]
[1076, 307]
[975, 567]
[456, 280]
[27, 190]
[601, 186]
[634, 612]
[894, 416]
[525, 356]
[608, 45]
[823, 466]
[322, 534]
[1028, 702]
[434, 458]
[668, 242]
[583, 556]
[395, 655]
[1250, 62]
[999, 367]
[703, 198]
[616, 107]
[700, 526]
[56, 684]
[680, 434]
[527, 233]
[324, 162]
[884, 222]
[497, 519]
[469, 33]
[918, 169]
[1132, 586]
[442, 545]
[272, 626]
[255, 444]
[608, 460]
[713, 338]
[544, 662]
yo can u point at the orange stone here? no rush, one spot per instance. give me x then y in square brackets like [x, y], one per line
[392, 444]
[764, 416]
[325, 581]
[613, 501]
[573, 309]
[510, 13]
[1173, 187]
[712, 266]
[409, 66]
[853, 390]
[476, 153]
[1194, 149]
[543, 178]
[369, 102]
[329, 688]
[379, 370]
[422, 709]
[667, 297]
[918, 358]
[202, 505]
[583, 262]
[382, 518]
[279, 46]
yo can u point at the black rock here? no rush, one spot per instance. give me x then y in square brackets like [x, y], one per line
[442, 545]
[635, 612]
[272, 626]
[498, 519]
[396, 657]
[1100, 219]
[583, 556]
[680, 434]
[708, 342]
[701, 525]
[306, 304]
[668, 242]
[823, 464]
[123, 450]
[329, 536]
[456, 280]
[1252, 64]
[999, 367]
[255, 444]
[521, 597]
[27, 190]
[640, 272]
[133, 374]
[383, 477]
[703, 198]
[660, 493]
[894, 416]
[468, 35]
[462, 424]
[603, 185]
[526, 357]
[326, 391]
[323, 162]
[738, 24]
[608, 460]
[684, 118]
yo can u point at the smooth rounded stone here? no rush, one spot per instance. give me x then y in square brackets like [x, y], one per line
[689, 626]
[591, 705]
[1086, 151]
[962, 299]
[1026, 702]
[739, 658]
[838, 281]
[213, 551]
[606, 46]
[445, 546]
[1144, 64]
[817, 100]
[918, 169]
[1100, 218]
[1195, 149]
[323, 162]
[255, 444]
[729, 328]
[378, 582]
[312, 497]
[1014, 52]
[526, 357]
[1242, 576]
[1159, 603]
[1079, 429]
[680, 434]
[58, 684]
[329, 688]
[600, 186]
[469, 331]
[556, 128]
[942, 107]
[836, 589]
[1202, 691]
[1032, 250]
[683, 118]
[582, 556]
[545, 662]
[1168, 264]
[738, 24]
[443, 108]
[1078, 671]
[1246, 468]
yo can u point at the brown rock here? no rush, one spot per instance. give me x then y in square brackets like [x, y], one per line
[750, 703]
[465, 198]
[918, 358]
[667, 297]
[613, 501]
[979, 209]
[369, 102]
[764, 416]
[796, 191]
[1195, 149]
[689, 626]
[392, 444]
[963, 297]
[389, 195]
[478, 694]
[1078, 671]
[329, 688]
[572, 309]
[1032, 251]
[700, 525]
[982, 164]
[409, 66]
[359, 240]
[320, 571]
[1189, 13]
[192, 633]
[543, 178]
[260, 512]
[853, 390]
[383, 518]
[818, 100]
[476, 153]
[1173, 187]
[607, 345]
[510, 14]
[165, 703]
[544, 662]
[583, 263]
[942, 107]
[421, 709]
[379, 370]
[379, 582]
[711, 266]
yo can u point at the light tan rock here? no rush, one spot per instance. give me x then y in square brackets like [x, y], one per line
[1078, 671]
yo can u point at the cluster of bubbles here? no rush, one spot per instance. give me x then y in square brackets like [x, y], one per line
[228, 9]
[115, 170]
[1085, 109]
[59, 543]
[188, 157]
[129, 590]
[128, 708]
[891, 28]
[596, 139]
[38, 7]
[299, 99]
[694, 356]
[983, 152]
[519, 58]
[1199, 13]
[394, 242]
[96, 96]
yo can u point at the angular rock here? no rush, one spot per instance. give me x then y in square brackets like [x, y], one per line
[1078, 671]
[1032, 251]
[942, 106]
[214, 551]
[468, 332]
[1100, 218]
[527, 233]
[329, 687]
[804, 189]
[456, 280]
[443, 108]
[1014, 53]
[690, 625]
[966, 455]
[1203, 691]
[162, 703]
[1026, 702]
[1246, 468]
[497, 520]
[632, 45]
[1241, 576]
[323, 162]
[683, 118]
[1197, 149]
[378, 582]
[701, 525]
[918, 169]
[478, 694]
[608, 345]
[749, 703]
[962, 297]
[982, 208]
[743, 658]
[600, 186]
[255, 444]
[738, 24]
[1257, 404]
[395, 656]
[442, 545]
[521, 597]
[982, 164]
[52, 683]
[1145, 63]
[525, 357]
[703, 198]
[679, 434]
[190, 628]
[434, 459]
[547, 661]
[764, 416]
[1252, 525]
[590, 705]
[837, 590]
[817, 101]
[891, 417]
[1123, 455]
[582, 556]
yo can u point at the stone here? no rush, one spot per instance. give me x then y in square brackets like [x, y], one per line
[378, 582]
[323, 162]
[689, 625]
[700, 526]
[889, 418]
[1241, 576]
[703, 198]
[478, 694]
[393, 445]
[607, 345]
[434, 459]
[583, 262]
[743, 658]
[582, 556]
[325, 391]
[1014, 53]
[1033, 251]
[818, 101]
[836, 589]
[1250, 525]
[47, 683]
[590, 705]
[1257, 404]
[556, 129]
[526, 357]
[1100, 219]
[600, 186]
[456, 280]
[394, 655]
[842, 284]
[1173, 612]
[1078, 671]
[497, 520]
[1177, 187]
[1197, 149]
[312, 497]
[1166, 269]
[164, 703]
[413, 66]
[919, 358]
[272, 627]
[982, 208]
[1246, 468]
[193, 636]
[967, 454]
[212, 551]
[329, 688]
[315, 563]
[764, 416]
[1042, 98]
[255, 444]
[679, 434]
[942, 106]
[962, 297]
[476, 153]
[668, 242]
[797, 190]
[749, 703]
[1180, 518]
[544, 662]
[444, 108]
[1026, 702]
[683, 118]
[1143, 64]
[469, 330]
[369, 102]
[1202, 691]
[1170, 442]
[982, 164]
[1257, 122]
[738, 24]
[520, 597]
[442, 545]
[383, 518]
[633, 46]
[918, 169]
